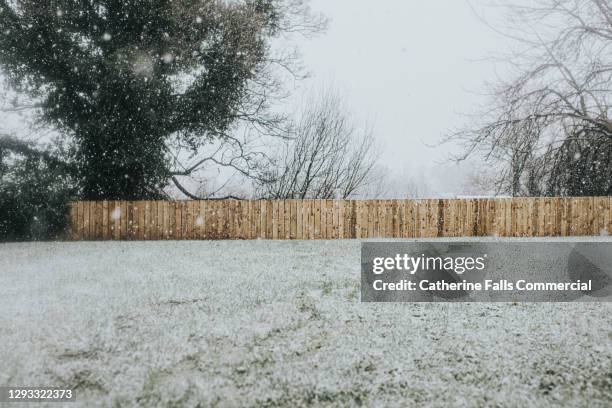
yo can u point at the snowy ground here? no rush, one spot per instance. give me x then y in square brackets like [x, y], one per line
[277, 324]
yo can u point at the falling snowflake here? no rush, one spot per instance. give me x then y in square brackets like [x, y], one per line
[198, 20]
[168, 58]
[199, 221]
[142, 65]
[107, 37]
[116, 214]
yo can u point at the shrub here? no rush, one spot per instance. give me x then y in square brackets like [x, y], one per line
[34, 198]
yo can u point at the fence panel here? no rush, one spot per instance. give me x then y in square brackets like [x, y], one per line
[339, 219]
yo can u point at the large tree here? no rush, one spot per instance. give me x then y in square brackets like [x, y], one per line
[129, 79]
[547, 129]
[327, 156]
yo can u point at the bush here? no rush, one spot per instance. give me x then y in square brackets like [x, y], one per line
[34, 199]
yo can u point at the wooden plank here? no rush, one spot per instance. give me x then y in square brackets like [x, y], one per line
[409, 219]
[256, 218]
[81, 220]
[163, 213]
[123, 232]
[93, 221]
[275, 219]
[187, 221]
[96, 220]
[259, 232]
[154, 231]
[609, 225]
[218, 218]
[392, 219]
[355, 221]
[161, 220]
[152, 220]
[86, 220]
[574, 217]
[280, 221]
[250, 226]
[351, 220]
[557, 210]
[422, 219]
[178, 220]
[329, 219]
[376, 219]
[268, 220]
[346, 230]
[172, 221]
[567, 217]
[404, 223]
[305, 219]
[231, 219]
[248, 222]
[238, 217]
[132, 223]
[220, 221]
[395, 219]
[146, 220]
[312, 216]
[441, 219]
[300, 220]
[245, 229]
[369, 218]
[317, 221]
[293, 219]
[338, 218]
[224, 219]
[592, 217]
[208, 219]
[114, 208]
[365, 220]
[105, 222]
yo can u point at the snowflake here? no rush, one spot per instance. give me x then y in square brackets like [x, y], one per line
[107, 37]
[168, 58]
[143, 65]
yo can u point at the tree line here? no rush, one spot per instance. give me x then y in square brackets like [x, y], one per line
[146, 94]
[146, 99]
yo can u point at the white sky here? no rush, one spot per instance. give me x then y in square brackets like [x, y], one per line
[411, 66]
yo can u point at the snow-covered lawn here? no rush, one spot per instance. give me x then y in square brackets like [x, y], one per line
[277, 324]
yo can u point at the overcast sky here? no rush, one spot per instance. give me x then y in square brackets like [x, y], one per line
[411, 66]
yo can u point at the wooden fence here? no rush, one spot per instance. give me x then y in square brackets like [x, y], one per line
[339, 219]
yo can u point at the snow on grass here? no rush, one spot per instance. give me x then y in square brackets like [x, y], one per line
[277, 324]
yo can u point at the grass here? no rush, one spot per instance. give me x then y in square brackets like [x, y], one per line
[277, 324]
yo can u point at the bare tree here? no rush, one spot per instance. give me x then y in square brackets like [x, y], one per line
[328, 156]
[552, 115]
